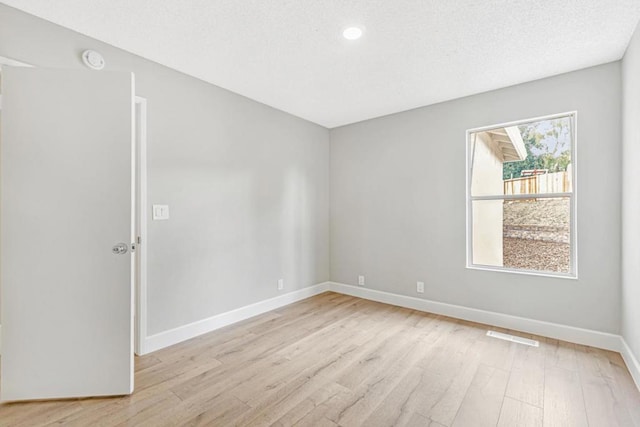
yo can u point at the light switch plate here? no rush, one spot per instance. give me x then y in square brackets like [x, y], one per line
[160, 212]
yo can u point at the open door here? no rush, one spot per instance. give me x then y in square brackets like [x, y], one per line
[66, 227]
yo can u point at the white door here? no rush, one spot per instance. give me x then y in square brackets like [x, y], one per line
[66, 201]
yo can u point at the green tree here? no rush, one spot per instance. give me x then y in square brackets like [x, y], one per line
[548, 145]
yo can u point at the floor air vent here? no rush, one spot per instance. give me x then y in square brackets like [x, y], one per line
[513, 338]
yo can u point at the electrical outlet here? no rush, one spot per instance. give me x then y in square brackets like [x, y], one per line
[360, 280]
[280, 284]
[420, 287]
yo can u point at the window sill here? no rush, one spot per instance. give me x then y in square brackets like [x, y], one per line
[524, 272]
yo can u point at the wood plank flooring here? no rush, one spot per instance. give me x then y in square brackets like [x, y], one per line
[336, 360]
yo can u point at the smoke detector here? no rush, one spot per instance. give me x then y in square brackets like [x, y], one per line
[93, 59]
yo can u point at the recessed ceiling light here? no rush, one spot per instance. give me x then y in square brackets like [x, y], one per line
[352, 33]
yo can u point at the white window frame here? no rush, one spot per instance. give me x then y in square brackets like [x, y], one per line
[573, 238]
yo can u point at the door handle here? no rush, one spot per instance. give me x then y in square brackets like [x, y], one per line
[120, 249]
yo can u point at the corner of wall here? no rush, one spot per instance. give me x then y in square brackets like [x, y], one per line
[630, 293]
[633, 364]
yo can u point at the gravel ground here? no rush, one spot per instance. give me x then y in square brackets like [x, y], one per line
[541, 212]
[536, 255]
[542, 250]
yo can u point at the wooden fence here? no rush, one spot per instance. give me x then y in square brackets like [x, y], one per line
[557, 182]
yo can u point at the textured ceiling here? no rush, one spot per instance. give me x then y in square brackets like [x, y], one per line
[290, 54]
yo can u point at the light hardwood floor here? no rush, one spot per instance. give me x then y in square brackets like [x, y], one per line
[338, 360]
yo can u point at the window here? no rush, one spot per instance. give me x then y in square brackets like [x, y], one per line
[521, 196]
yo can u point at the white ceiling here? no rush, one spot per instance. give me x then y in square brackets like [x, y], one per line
[290, 54]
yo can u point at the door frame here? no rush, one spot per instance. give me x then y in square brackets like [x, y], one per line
[140, 207]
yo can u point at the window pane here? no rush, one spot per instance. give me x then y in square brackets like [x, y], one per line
[532, 158]
[530, 234]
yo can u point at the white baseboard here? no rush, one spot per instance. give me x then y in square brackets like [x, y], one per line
[183, 333]
[547, 329]
[632, 362]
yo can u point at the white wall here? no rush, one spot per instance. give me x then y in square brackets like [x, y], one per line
[247, 185]
[487, 214]
[398, 202]
[631, 196]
